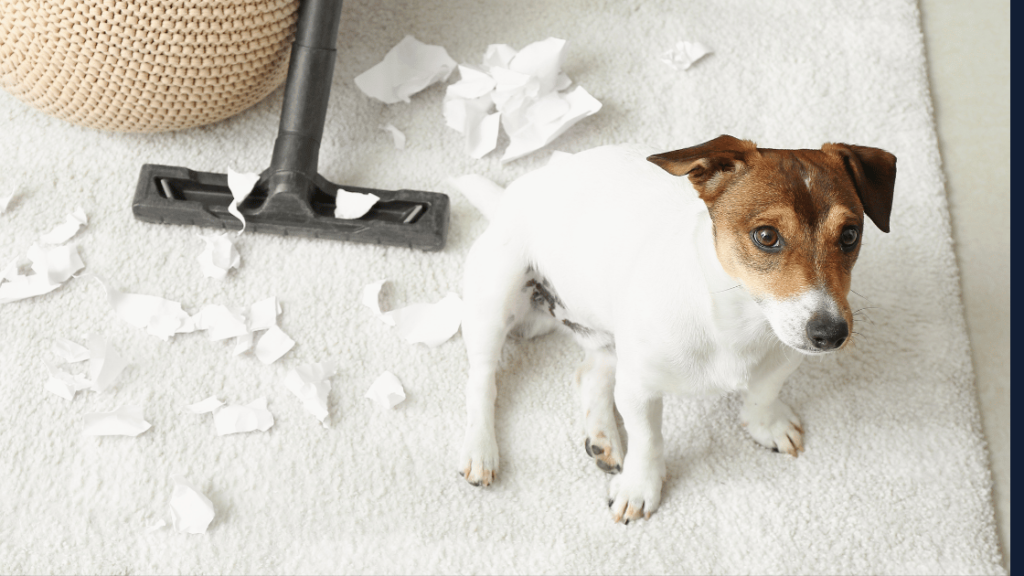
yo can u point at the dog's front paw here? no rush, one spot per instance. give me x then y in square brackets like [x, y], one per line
[774, 426]
[636, 493]
[478, 461]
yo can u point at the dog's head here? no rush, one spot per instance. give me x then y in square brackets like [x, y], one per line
[788, 225]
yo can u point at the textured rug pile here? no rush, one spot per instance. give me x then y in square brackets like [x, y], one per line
[894, 478]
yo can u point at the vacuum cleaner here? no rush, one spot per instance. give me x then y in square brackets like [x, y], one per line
[291, 197]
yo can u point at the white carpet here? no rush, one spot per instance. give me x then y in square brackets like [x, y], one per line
[894, 479]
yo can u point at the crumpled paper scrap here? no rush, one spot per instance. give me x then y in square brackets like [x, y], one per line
[481, 192]
[204, 406]
[190, 510]
[430, 324]
[352, 205]
[50, 269]
[684, 54]
[105, 365]
[64, 232]
[65, 384]
[157, 316]
[220, 322]
[219, 256]
[125, 421]
[262, 316]
[310, 383]
[406, 69]
[526, 88]
[5, 201]
[386, 390]
[241, 185]
[69, 351]
[232, 418]
[397, 136]
[273, 345]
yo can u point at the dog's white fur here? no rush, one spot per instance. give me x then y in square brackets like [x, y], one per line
[627, 252]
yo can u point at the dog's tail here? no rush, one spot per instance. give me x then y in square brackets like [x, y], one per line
[480, 191]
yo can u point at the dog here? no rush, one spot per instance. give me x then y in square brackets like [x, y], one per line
[720, 281]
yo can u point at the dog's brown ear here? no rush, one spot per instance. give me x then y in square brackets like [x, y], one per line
[709, 165]
[873, 171]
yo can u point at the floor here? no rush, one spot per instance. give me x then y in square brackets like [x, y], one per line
[968, 46]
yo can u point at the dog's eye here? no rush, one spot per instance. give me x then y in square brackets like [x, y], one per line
[848, 239]
[767, 238]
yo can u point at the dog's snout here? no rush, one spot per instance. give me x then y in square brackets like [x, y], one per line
[827, 333]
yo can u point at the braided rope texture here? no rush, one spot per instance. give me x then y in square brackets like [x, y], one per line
[144, 65]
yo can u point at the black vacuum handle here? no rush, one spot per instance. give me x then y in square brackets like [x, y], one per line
[306, 93]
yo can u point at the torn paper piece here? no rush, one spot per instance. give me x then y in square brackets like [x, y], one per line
[232, 419]
[352, 205]
[50, 267]
[69, 351]
[499, 55]
[204, 406]
[65, 384]
[481, 192]
[241, 185]
[406, 69]
[310, 383]
[431, 324]
[386, 390]
[541, 60]
[474, 84]
[684, 54]
[157, 316]
[5, 201]
[161, 523]
[125, 421]
[396, 135]
[191, 512]
[64, 232]
[371, 299]
[473, 118]
[220, 322]
[105, 363]
[263, 314]
[243, 344]
[527, 136]
[272, 345]
[218, 257]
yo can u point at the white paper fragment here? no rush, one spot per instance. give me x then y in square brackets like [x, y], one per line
[684, 54]
[5, 201]
[161, 523]
[231, 419]
[406, 69]
[263, 314]
[204, 406]
[105, 363]
[50, 268]
[526, 90]
[241, 185]
[65, 384]
[243, 344]
[371, 299]
[218, 257]
[397, 136]
[64, 232]
[191, 512]
[157, 316]
[352, 205]
[220, 322]
[526, 135]
[310, 383]
[481, 192]
[386, 390]
[125, 421]
[431, 324]
[69, 351]
[272, 345]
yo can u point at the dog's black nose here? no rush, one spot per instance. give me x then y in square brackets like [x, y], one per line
[827, 333]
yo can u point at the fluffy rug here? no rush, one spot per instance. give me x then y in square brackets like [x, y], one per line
[894, 478]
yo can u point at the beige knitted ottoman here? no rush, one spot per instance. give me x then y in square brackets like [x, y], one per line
[144, 65]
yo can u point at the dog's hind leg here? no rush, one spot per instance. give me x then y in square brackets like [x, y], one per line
[493, 295]
[596, 380]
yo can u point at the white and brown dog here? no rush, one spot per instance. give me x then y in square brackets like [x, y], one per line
[717, 282]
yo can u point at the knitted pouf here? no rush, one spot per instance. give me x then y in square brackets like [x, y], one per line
[144, 65]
